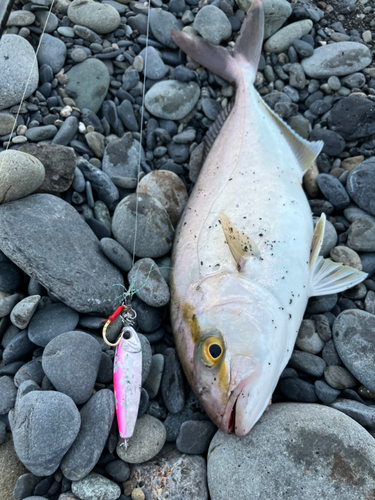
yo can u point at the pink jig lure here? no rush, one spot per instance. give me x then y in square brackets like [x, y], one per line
[127, 381]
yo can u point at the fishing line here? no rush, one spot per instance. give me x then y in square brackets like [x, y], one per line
[141, 128]
[27, 83]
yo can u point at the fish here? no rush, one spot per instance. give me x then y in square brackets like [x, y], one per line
[127, 381]
[245, 259]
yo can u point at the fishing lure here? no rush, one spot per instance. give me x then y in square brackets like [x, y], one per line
[127, 371]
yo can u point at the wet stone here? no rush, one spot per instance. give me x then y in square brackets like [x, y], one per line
[353, 336]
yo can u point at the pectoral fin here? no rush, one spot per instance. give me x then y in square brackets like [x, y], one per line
[327, 276]
[240, 245]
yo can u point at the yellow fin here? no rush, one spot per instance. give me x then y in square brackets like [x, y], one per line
[239, 244]
[317, 240]
[305, 151]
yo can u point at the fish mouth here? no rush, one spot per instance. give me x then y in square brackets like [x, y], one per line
[228, 423]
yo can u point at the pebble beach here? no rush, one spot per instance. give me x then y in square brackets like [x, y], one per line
[101, 142]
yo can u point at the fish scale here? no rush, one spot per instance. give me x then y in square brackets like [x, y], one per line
[245, 258]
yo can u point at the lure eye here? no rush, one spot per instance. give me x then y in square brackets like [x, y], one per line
[215, 351]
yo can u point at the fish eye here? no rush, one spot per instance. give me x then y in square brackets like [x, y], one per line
[215, 350]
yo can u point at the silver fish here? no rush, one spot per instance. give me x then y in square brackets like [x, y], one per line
[246, 259]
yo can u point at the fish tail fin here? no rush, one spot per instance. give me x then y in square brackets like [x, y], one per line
[218, 59]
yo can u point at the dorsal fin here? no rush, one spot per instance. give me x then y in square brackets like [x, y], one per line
[305, 151]
[240, 245]
[215, 128]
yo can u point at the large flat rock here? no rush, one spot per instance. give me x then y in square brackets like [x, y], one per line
[48, 239]
[295, 452]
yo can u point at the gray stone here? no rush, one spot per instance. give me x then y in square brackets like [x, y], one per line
[308, 339]
[17, 67]
[195, 436]
[297, 389]
[96, 420]
[32, 370]
[334, 144]
[329, 237]
[47, 238]
[152, 383]
[18, 349]
[8, 392]
[301, 125]
[48, 20]
[154, 229]
[50, 322]
[297, 77]
[20, 175]
[283, 39]
[116, 253]
[11, 468]
[172, 382]
[337, 59]
[7, 303]
[101, 182]
[183, 476]
[325, 393]
[99, 17]
[25, 486]
[147, 440]
[52, 51]
[146, 356]
[329, 354]
[90, 81]
[353, 335]
[356, 80]
[333, 190]
[59, 165]
[161, 24]
[119, 470]
[353, 213]
[360, 185]
[23, 311]
[352, 117]
[121, 157]
[338, 377]
[361, 235]
[155, 67]
[96, 487]
[66, 132]
[322, 304]
[20, 18]
[126, 114]
[71, 362]
[346, 256]
[43, 133]
[276, 12]
[96, 143]
[316, 443]
[171, 99]
[44, 426]
[363, 414]
[7, 122]
[308, 363]
[303, 48]
[151, 287]
[212, 24]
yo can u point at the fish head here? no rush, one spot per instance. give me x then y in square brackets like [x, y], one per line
[233, 335]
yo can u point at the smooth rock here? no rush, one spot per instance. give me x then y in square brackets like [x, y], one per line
[283, 39]
[334, 144]
[50, 322]
[20, 18]
[101, 182]
[364, 415]
[71, 362]
[308, 339]
[154, 232]
[297, 389]
[360, 185]
[337, 59]
[100, 17]
[195, 436]
[325, 393]
[52, 51]
[66, 132]
[96, 487]
[161, 24]
[148, 439]
[7, 122]
[126, 114]
[212, 24]
[167, 188]
[59, 165]
[47, 19]
[152, 383]
[155, 67]
[318, 445]
[118, 470]
[116, 253]
[20, 175]
[17, 67]
[90, 81]
[18, 349]
[44, 426]
[23, 311]
[276, 12]
[121, 157]
[171, 99]
[11, 278]
[172, 383]
[353, 336]
[322, 304]
[182, 476]
[346, 256]
[352, 117]
[96, 420]
[361, 236]
[333, 190]
[8, 393]
[308, 363]
[30, 371]
[151, 287]
[338, 377]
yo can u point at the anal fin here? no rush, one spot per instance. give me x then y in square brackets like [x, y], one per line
[215, 128]
[240, 245]
[326, 276]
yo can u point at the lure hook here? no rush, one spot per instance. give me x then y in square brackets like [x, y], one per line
[128, 316]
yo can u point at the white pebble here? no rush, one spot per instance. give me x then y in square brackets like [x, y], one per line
[67, 111]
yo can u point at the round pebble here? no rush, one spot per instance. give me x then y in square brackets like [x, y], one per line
[339, 377]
